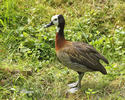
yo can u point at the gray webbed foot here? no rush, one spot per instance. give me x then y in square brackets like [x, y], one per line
[77, 85]
[73, 90]
[71, 85]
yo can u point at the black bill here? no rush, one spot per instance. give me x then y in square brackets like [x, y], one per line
[48, 25]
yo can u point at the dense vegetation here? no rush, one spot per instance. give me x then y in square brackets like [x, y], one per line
[29, 69]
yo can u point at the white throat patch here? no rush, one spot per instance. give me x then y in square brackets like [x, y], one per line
[58, 28]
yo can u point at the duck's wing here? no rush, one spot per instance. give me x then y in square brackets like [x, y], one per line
[86, 55]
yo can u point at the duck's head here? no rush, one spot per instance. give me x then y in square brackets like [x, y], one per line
[57, 20]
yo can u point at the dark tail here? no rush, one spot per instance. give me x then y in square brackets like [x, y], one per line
[102, 70]
[104, 59]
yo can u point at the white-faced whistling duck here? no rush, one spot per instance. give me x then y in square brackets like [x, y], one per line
[77, 56]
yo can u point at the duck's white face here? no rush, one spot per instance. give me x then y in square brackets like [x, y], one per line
[55, 20]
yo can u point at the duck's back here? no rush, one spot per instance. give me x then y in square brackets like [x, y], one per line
[81, 57]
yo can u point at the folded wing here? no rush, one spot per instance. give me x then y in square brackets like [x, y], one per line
[86, 55]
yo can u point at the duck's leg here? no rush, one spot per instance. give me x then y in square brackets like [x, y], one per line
[81, 74]
[77, 85]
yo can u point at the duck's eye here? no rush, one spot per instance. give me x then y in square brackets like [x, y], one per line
[56, 19]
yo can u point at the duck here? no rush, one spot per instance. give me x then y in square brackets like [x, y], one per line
[78, 56]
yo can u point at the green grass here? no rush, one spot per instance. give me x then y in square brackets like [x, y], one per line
[29, 69]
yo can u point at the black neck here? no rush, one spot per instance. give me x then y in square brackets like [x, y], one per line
[61, 30]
